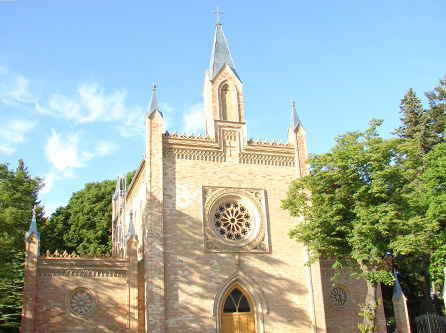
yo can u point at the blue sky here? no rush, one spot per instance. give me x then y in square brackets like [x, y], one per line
[76, 76]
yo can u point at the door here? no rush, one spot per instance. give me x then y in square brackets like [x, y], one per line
[237, 315]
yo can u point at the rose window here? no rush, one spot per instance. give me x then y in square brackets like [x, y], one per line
[232, 220]
[338, 297]
[81, 301]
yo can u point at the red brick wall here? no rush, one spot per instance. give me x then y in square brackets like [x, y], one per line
[56, 278]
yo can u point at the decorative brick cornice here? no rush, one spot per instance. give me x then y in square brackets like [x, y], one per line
[195, 154]
[332, 272]
[187, 137]
[267, 143]
[264, 159]
[82, 272]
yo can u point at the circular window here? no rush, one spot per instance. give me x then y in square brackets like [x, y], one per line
[232, 220]
[81, 301]
[339, 296]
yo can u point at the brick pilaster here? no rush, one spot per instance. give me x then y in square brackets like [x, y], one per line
[30, 283]
[153, 244]
[132, 284]
[401, 314]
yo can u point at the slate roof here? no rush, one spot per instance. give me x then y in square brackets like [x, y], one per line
[295, 121]
[220, 53]
[154, 102]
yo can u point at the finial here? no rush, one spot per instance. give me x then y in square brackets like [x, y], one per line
[153, 87]
[217, 12]
[292, 101]
[33, 226]
[131, 228]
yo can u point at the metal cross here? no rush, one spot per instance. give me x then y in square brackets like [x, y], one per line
[217, 12]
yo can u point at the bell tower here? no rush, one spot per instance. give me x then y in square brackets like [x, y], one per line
[222, 88]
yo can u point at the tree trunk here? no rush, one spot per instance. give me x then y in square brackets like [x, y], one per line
[437, 306]
[370, 305]
[427, 294]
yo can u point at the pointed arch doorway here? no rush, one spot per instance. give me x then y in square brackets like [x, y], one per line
[237, 314]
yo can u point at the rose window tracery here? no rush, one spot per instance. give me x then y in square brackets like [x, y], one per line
[232, 220]
[81, 301]
[338, 297]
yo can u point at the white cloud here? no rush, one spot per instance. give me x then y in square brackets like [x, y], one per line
[194, 119]
[12, 133]
[92, 104]
[104, 148]
[50, 178]
[64, 152]
[15, 90]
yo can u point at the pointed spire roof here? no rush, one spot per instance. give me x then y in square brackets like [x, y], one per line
[220, 53]
[295, 121]
[131, 229]
[397, 291]
[154, 102]
[33, 226]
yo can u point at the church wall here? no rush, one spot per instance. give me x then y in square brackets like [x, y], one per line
[193, 276]
[340, 316]
[58, 278]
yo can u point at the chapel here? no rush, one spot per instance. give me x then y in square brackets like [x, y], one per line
[200, 242]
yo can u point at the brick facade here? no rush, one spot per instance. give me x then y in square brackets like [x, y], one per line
[175, 267]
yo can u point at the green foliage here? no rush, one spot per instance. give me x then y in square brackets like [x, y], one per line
[437, 107]
[434, 196]
[368, 312]
[418, 123]
[359, 205]
[84, 224]
[18, 195]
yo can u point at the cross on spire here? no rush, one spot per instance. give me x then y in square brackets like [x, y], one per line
[217, 12]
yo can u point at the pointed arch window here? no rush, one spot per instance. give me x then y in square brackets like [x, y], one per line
[227, 103]
[236, 302]
[237, 314]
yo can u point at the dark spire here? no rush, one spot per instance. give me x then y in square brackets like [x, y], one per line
[33, 226]
[220, 53]
[131, 229]
[154, 102]
[295, 121]
[397, 291]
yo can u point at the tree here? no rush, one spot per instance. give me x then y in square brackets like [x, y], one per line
[356, 205]
[418, 123]
[434, 196]
[437, 105]
[426, 128]
[18, 195]
[84, 225]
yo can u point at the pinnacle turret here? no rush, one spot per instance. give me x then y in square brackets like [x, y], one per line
[397, 291]
[295, 121]
[154, 102]
[33, 226]
[131, 229]
[220, 53]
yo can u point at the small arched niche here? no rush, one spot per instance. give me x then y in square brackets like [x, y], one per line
[228, 102]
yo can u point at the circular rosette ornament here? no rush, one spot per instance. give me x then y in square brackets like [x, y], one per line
[81, 301]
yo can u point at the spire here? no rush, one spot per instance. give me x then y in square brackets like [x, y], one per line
[131, 229]
[397, 291]
[220, 53]
[295, 121]
[33, 226]
[154, 101]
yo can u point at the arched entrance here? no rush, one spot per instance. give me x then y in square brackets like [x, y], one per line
[237, 313]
